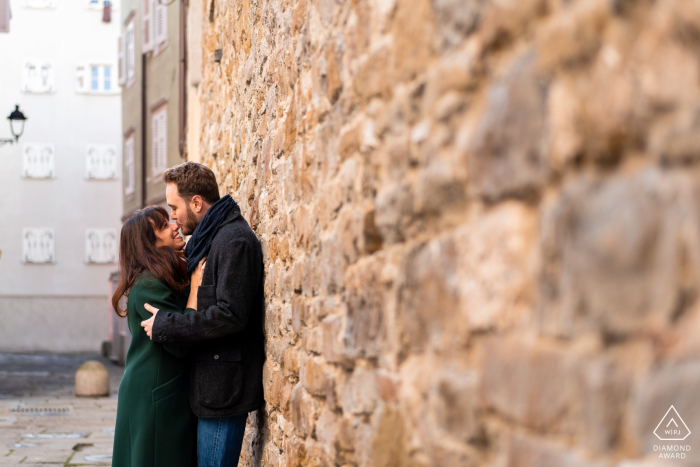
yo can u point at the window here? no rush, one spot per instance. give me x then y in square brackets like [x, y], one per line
[100, 162]
[160, 139]
[129, 175]
[94, 79]
[39, 4]
[154, 25]
[122, 59]
[38, 76]
[130, 54]
[37, 160]
[100, 4]
[100, 246]
[38, 245]
[147, 36]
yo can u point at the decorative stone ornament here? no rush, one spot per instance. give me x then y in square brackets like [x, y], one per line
[92, 380]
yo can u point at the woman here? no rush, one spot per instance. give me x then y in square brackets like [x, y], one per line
[155, 426]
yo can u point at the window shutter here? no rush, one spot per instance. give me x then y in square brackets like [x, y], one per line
[81, 78]
[129, 175]
[100, 245]
[38, 245]
[38, 160]
[122, 60]
[147, 32]
[160, 149]
[161, 12]
[38, 76]
[130, 52]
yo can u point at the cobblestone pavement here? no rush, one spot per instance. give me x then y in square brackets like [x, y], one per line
[42, 423]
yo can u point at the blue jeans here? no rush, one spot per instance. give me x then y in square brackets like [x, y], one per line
[219, 441]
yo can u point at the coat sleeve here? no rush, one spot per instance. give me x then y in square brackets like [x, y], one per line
[237, 280]
[157, 294]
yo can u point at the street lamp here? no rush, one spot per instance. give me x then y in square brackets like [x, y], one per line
[17, 120]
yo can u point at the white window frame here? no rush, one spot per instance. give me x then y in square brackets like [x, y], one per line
[31, 81]
[159, 140]
[44, 153]
[38, 246]
[99, 5]
[100, 246]
[129, 167]
[84, 78]
[106, 169]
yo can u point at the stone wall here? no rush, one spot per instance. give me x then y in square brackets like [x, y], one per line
[480, 221]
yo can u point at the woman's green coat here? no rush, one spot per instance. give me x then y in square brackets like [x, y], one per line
[155, 425]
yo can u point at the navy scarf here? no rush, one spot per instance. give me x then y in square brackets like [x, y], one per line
[200, 242]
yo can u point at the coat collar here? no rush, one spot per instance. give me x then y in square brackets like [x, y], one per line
[232, 215]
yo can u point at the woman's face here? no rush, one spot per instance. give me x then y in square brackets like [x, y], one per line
[169, 236]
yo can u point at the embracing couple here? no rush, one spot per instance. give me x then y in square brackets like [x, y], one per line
[195, 369]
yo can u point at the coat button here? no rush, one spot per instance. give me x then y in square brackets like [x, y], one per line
[216, 357]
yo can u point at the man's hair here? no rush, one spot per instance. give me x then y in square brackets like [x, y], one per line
[193, 179]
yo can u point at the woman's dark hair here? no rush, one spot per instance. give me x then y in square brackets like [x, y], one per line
[138, 253]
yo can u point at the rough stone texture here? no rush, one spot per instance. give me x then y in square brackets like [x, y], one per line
[92, 380]
[480, 222]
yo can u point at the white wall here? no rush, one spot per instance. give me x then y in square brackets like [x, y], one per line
[68, 34]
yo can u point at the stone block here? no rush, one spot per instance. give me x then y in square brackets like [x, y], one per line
[332, 265]
[298, 313]
[274, 388]
[511, 384]
[360, 393]
[365, 327]
[370, 79]
[669, 385]
[387, 385]
[506, 154]
[456, 19]
[332, 338]
[303, 408]
[389, 440]
[290, 362]
[428, 297]
[496, 267]
[454, 402]
[312, 375]
[295, 452]
[312, 340]
[608, 264]
[439, 188]
[526, 452]
[394, 212]
[92, 380]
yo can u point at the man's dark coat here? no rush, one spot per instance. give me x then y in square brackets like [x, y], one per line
[226, 329]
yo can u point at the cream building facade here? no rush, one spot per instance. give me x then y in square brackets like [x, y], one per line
[61, 184]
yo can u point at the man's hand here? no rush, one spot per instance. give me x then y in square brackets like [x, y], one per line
[148, 324]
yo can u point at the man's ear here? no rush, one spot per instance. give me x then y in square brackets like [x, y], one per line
[197, 203]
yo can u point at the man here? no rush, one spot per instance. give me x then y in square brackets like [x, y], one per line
[226, 328]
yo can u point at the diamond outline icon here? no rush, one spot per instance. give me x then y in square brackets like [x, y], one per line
[680, 418]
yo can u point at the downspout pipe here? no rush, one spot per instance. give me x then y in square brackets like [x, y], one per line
[182, 85]
[144, 128]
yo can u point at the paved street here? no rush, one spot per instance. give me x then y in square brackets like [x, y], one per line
[43, 423]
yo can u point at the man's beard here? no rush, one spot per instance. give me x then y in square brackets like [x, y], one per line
[190, 222]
